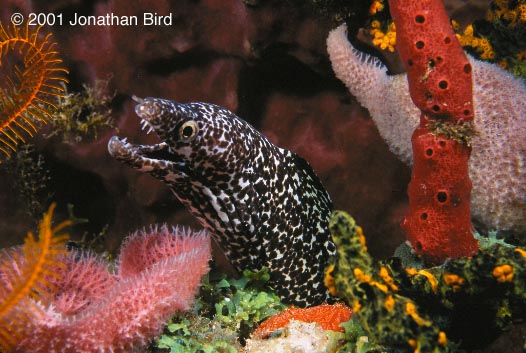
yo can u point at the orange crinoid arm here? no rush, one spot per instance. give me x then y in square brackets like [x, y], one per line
[25, 274]
[31, 76]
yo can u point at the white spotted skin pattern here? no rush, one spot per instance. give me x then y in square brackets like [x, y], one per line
[263, 204]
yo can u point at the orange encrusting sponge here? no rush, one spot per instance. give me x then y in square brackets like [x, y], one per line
[328, 316]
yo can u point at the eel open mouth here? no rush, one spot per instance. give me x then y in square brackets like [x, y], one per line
[140, 155]
[121, 149]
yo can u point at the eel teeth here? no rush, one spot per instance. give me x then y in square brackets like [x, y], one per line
[137, 99]
[144, 125]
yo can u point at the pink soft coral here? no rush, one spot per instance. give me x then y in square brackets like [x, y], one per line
[158, 273]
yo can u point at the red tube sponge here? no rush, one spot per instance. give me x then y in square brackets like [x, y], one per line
[438, 223]
[438, 71]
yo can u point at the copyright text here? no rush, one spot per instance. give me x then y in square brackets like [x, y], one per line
[109, 19]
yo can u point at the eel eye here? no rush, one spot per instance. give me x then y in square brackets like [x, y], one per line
[188, 130]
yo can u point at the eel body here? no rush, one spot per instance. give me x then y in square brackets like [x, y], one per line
[263, 204]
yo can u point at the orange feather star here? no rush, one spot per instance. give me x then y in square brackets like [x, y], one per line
[24, 274]
[31, 78]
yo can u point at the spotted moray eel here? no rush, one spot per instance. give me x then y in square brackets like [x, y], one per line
[264, 205]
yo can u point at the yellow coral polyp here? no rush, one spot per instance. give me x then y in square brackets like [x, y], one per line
[521, 252]
[411, 271]
[454, 281]
[503, 273]
[468, 32]
[383, 40]
[410, 309]
[482, 45]
[329, 280]
[521, 9]
[389, 303]
[375, 25]
[430, 278]
[501, 8]
[361, 276]
[364, 278]
[486, 48]
[503, 11]
[503, 4]
[376, 7]
[442, 338]
[356, 306]
[414, 344]
[361, 237]
[510, 16]
[384, 274]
